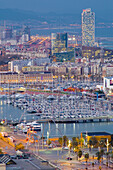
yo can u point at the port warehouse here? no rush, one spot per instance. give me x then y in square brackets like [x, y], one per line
[98, 135]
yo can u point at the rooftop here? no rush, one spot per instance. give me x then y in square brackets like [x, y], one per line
[96, 133]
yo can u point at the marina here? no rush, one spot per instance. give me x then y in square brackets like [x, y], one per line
[69, 113]
[64, 108]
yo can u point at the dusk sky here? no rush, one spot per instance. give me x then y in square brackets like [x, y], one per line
[62, 6]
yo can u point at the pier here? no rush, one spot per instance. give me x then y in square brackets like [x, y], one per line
[79, 120]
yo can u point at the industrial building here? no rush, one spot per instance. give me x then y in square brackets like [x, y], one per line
[98, 135]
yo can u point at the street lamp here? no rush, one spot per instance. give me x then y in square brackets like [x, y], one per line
[69, 145]
[47, 137]
[107, 145]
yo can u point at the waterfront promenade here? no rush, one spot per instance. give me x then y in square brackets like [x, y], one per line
[55, 156]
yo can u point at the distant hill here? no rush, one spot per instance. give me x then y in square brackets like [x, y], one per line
[17, 15]
[22, 15]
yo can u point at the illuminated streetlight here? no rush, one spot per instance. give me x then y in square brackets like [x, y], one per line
[69, 145]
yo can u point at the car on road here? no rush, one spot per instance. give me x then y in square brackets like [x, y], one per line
[69, 158]
[65, 148]
[13, 156]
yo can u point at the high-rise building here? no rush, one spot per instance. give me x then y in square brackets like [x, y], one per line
[59, 42]
[88, 28]
[7, 33]
[26, 31]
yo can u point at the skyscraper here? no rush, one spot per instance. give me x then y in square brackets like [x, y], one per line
[59, 42]
[26, 31]
[7, 33]
[88, 28]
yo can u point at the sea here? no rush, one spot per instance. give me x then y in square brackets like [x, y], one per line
[104, 35]
[12, 113]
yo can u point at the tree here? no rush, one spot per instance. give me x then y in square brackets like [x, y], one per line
[81, 141]
[94, 141]
[90, 143]
[79, 153]
[60, 141]
[98, 154]
[74, 142]
[86, 156]
[102, 143]
[49, 142]
[76, 149]
[111, 158]
[107, 155]
[64, 140]
[102, 153]
[19, 146]
[1, 151]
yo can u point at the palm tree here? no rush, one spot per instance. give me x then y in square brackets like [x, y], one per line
[98, 154]
[81, 140]
[63, 141]
[74, 142]
[102, 153]
[86, 156]
[107, 154]
[93, 141]
[112, 158]
[102, 143]
[60, 141]
[90, 144]
[93, 161]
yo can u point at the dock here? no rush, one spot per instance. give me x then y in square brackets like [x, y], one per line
[74, 120]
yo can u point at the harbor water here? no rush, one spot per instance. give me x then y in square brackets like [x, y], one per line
[12, 113]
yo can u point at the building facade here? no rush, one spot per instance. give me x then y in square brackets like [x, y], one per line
[23, 63]
[33, 68]
[88, 28]
[26, 77]
[98, 135]
[108, 85]
[59, 42]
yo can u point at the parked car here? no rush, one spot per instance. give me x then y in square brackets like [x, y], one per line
[69, 158]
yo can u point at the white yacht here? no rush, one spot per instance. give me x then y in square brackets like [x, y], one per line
[31, 110]
[35, 126]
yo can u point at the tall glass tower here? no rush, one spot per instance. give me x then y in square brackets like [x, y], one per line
[59, 42]
[88, 28]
